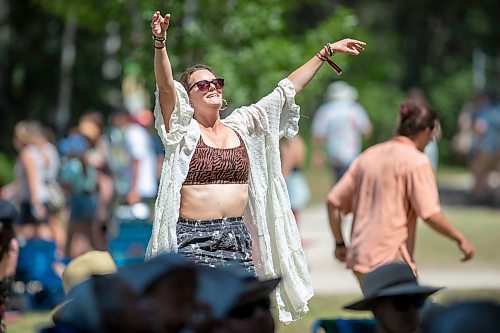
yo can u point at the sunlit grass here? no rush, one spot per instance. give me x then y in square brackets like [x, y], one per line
[30, 322]
[479, 224]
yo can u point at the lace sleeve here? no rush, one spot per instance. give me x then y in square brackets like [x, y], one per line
[179, 120]
[276, 113]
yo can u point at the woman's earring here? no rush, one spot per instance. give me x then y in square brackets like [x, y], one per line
[224, 105]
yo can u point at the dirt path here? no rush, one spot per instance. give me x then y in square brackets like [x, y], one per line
[331, 277]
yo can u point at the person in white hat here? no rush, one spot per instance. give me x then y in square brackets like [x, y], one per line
[251, 312]
[338, 128]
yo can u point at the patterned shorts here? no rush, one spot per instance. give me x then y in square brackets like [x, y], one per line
[217, 242]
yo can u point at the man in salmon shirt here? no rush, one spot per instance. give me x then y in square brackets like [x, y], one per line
[386, 188]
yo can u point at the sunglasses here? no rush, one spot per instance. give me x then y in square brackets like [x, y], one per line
[204, 85]
[404, 302]
[247, 310]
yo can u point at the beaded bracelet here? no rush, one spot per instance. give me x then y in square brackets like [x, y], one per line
[160, 39]
[329, 49]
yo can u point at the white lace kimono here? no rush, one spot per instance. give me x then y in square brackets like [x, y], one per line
[268, 217]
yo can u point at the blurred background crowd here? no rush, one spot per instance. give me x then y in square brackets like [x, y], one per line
[79, 155]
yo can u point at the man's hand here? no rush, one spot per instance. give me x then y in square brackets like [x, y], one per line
[467, 249]
[340, 253]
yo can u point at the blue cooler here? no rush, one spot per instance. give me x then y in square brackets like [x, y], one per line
[133, 231]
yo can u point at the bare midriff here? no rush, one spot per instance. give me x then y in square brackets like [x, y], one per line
[213, 201]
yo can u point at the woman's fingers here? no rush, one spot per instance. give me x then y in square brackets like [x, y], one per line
[159, 23]
[359, 47]
[349, 46]
[350, 40]
[165, 21]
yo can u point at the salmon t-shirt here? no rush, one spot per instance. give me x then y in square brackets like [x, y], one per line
[386, 188]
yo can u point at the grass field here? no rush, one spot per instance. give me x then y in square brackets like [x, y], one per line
[480, 224]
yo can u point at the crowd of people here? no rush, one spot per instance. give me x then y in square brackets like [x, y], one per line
[478, 141]
[226, 194]
[68, 189]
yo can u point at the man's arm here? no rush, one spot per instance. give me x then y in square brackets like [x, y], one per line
[334, 216]
[440, 223]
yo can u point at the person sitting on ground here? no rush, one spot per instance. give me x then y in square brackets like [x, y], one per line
[252, 310]
[186, 296]
[105, 304]
[82, 268]
[394, 296]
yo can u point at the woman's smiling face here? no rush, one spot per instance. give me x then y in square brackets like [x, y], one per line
[201, 99]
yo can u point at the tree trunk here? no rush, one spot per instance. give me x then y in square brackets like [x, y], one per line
[4, 37]
[68, 53]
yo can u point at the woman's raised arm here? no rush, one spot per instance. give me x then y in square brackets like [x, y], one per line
[163, 69]
[304, 74]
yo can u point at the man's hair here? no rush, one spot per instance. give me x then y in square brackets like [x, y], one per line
[415, 116]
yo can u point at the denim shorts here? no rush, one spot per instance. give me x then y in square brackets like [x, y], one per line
[218, 242]
[83, 207]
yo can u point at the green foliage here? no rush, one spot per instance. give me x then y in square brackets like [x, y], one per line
[253, 44]
[6, 170]
[91, 14]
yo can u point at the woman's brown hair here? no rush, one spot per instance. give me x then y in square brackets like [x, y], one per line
[190, 70]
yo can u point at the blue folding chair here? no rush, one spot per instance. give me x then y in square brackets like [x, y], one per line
[41, 285]
[341, 325]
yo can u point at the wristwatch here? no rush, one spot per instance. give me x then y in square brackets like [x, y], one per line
[339, 245]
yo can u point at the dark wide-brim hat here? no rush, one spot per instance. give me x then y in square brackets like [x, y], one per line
[215, 287]
[389, 280]
[254, 289]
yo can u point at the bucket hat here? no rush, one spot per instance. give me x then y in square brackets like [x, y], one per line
[78, 271]
[389, 280]
[85, 265]
[341, 91]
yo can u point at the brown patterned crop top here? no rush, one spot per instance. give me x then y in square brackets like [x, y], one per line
[210, 165]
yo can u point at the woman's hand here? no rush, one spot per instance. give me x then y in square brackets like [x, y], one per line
[349, 46]
[159, 24]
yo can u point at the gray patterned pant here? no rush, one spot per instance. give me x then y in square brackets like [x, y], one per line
[217, 242]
